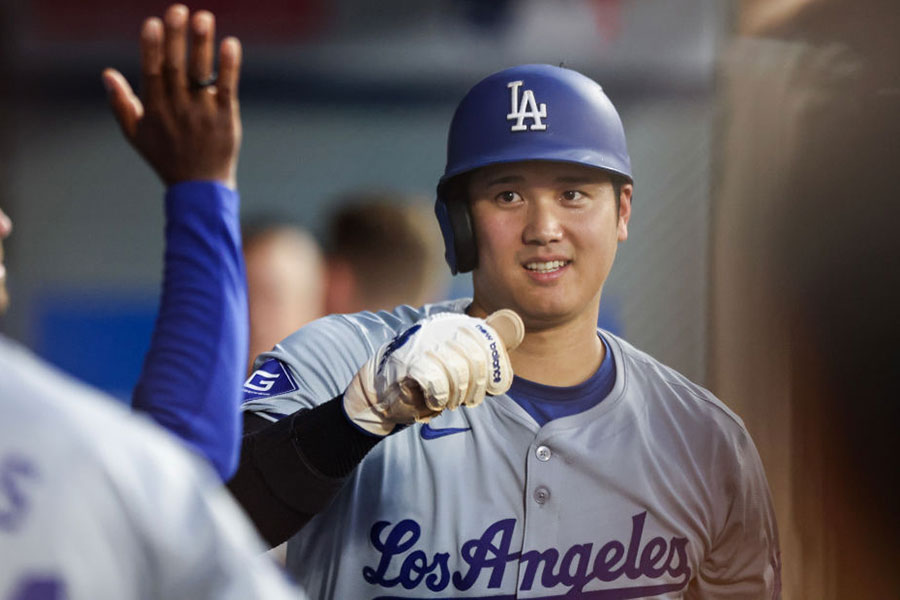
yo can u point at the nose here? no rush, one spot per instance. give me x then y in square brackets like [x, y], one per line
[5, 225]
[543, 226]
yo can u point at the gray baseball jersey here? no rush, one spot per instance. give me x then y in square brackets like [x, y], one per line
[96, 503]
[657, 491]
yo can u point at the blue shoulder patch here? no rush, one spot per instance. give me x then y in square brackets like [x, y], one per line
[272, 378]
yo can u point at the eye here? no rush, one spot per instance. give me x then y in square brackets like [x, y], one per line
[573, 196]
[508, 197]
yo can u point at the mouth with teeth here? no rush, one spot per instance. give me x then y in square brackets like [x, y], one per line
[549, 266]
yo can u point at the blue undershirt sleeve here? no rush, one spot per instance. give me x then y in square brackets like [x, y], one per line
[192, 374]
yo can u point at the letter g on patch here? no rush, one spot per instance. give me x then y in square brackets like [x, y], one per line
[272, 378]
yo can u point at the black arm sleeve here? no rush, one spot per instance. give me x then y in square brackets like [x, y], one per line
[292, 469]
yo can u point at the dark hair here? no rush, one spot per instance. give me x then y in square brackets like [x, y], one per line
[255, 227]
[389, 241]
[618, 181]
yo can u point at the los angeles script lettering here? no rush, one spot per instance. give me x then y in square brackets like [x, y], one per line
[490, 554]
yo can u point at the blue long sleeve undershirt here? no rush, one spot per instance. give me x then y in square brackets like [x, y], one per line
[192, 375]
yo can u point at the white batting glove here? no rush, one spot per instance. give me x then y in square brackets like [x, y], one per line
[440, 363]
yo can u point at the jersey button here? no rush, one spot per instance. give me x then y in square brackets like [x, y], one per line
[543, 453]
[541, 495]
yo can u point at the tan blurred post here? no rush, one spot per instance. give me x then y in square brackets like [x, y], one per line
[748, 331]
[796, 117]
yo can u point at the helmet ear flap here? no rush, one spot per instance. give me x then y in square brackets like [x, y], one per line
[455, 219]
[463, 235]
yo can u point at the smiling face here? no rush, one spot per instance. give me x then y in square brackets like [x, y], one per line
[5, 229]
[547, 234]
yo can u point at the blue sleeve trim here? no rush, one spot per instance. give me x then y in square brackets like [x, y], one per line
[191, 379]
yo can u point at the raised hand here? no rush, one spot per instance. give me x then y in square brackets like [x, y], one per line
[186, 122]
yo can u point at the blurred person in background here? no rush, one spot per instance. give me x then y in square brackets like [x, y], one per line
[382, 251]
[805, 330]
[95, 502]
[285, 280]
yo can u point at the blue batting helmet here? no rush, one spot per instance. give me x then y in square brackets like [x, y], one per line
[529, 112]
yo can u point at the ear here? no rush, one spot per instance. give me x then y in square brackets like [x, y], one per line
[624, 211]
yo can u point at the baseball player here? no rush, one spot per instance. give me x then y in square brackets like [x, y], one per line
[94, 502]
[594, 472]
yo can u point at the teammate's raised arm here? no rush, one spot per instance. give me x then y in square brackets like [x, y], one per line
[186, 125]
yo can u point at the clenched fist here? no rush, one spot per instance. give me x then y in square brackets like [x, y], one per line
[441, 363]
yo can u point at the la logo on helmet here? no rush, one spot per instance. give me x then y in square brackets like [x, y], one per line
[526, 108]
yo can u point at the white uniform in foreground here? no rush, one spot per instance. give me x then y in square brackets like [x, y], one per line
[96, 504]
[655, 492]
